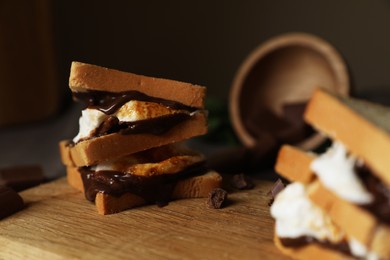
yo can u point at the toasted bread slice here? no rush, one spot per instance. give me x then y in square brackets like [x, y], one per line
[361, 126]
[355, 221]
[112, 146]
[294, 164]
[310, 251]
[192, 187]
[85, 77]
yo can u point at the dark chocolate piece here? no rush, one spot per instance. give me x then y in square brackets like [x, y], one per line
[297, 130]
[217, 198]
[342, 246]
[287, 128]
[153, 189]
[242, 182]
[10, 202]
[265, 121]
[109, 102]
[22, 177]
[276, 188]
[293, 133]
[293, 112]
[380, 207]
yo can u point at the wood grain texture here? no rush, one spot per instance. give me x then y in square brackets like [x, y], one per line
[58, 223]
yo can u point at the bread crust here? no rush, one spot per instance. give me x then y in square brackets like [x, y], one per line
[342, 211]
[112, 146]
[310, 252]
[330, 115]
[354, 220]
[293, 164]
[85, 77]
[193, 187]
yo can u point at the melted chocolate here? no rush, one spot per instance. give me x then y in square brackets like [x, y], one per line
[297, 242]
[109, 102]
[10, 202]
[154, 126]
[153, 189]
[380, 207]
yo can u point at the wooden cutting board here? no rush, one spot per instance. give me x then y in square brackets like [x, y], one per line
[58, 223]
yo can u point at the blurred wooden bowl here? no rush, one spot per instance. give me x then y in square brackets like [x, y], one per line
[284, 70]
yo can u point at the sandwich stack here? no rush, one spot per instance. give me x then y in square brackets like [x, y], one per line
[129, 150]
[337, 205]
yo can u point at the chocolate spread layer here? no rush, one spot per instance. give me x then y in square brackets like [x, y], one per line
[155, 126]
[297, 242]
[380, 207]
[109, 102]
[153, 189]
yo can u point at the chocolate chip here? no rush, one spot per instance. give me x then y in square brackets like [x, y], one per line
[217, 198]
[242, 182]
[276, 188]
[10, 202]
[22, 177]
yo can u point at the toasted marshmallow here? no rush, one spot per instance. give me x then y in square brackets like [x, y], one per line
[139, 110]
[335, 169]
[297, 216]
[168, 159]
[131, 111]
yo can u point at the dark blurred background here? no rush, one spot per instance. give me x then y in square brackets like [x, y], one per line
[202, 42]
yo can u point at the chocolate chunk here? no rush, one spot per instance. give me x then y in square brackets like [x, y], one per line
[217, 198]
[276, 188]
[265, 121]
[22, 177]
[10, 202]
[293, 112]
[286, 128]
[292, 134]
[242, 182]
[297, 130]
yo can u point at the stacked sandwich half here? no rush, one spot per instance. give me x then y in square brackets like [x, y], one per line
[338, 203]
[128, 151]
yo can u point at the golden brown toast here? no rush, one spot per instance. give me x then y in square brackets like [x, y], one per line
[354, 220]
[361, 126]
[112, 146]
[85, 77]
[192, 187]
[294, 164]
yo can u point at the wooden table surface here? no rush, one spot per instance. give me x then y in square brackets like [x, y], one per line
[58, 223]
